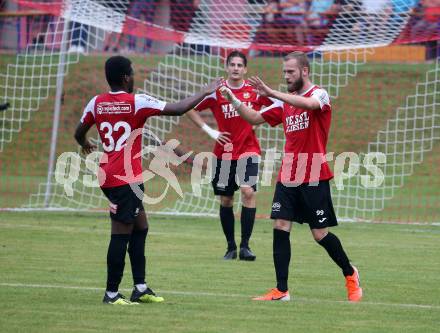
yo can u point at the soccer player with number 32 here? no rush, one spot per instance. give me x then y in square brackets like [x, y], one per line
[118, 116]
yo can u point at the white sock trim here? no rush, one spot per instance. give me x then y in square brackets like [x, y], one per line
[111, 294]
[141, 287]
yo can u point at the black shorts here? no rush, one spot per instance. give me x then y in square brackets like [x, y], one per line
[124, 203]
[229, 175]
[304, 204]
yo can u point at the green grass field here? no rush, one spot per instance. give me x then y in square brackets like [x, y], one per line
[52, 275]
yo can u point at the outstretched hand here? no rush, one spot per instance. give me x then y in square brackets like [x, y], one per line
[213, 86]
[227, 93]
[262, 88]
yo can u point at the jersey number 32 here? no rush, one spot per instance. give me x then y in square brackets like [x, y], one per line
[108, 130]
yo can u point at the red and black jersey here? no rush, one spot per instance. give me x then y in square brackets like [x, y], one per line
[117, 115]
[306, 134]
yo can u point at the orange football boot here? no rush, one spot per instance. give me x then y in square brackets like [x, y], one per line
[274, 295]
[352, 283]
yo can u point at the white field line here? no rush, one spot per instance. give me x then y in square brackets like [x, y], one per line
[83, 230]
[203, 215]
[100, 211]
[211, 294]
[73, 229]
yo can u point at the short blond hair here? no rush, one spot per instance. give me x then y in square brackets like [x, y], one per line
[300, 57]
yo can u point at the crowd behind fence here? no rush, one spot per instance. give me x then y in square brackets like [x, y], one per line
[293, 22]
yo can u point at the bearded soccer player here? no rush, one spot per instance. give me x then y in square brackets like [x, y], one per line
[119, 115]
[302, 192]
[237, 154]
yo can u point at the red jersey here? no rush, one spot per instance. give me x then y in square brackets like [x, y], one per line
[242, 136]
[306, 134]
[117, 115]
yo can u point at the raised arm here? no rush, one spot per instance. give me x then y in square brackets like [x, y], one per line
[183, 106]
[297, 101]
[250, 115]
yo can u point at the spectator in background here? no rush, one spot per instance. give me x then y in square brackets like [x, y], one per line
[144, 10]
[374, 6]
[79, 37]
[401, 17]
[401, 8]
[113, 38]
[320, 16]
[182, 13]
[292, 14]
[321, 12]
[375, 16]
[348, 21]
[270, 14]
[428, 26]
[270, 11]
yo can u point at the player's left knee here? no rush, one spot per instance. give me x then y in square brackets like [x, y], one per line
[247, 193]
[319, 234]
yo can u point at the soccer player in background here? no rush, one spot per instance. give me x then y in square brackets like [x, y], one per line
[302, 192]
[117, 114]
[236, 148]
